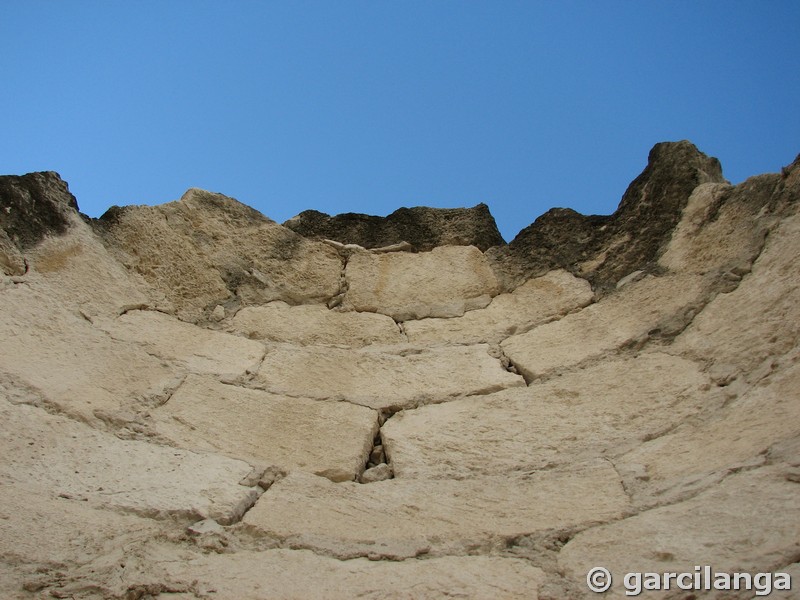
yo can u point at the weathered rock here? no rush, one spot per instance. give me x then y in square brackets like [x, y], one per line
[603, 249]
[383, 377]
[654, 306]
[289, 574]
[78, 463]
[186, 346]
[424, 228]
[536, 301]
[760, 320]
[747, 523]
[43, 536]
[602, 410]
[55, 358]
[331, 439]
[401, 518]
[207, 249]
[311, 324]
[380, 472]
[34, 206]
[737, 435]
[445, 282]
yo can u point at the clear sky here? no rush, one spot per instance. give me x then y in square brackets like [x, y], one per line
[345, 106]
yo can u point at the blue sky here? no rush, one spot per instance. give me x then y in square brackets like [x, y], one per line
[370, 106]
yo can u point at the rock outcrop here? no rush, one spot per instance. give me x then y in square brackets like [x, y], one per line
[197, 402]
[424, 228]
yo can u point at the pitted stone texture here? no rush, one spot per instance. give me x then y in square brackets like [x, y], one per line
[206, 249]
[404, 518]
[193, 348]
[42, 534]
[79, 463]
[445, 282]
[722, 228]
[326, 438]
[598, 411]
[63, 361]
[534, 302]
[384, 377]
[291, 574]
[313, 324]
[747, 523]
[650, 306]
[760, 319]
[737, 435]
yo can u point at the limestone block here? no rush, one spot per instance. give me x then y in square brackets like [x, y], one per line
[383, 377]
[401, 518]
[603, 409]
[207, 248]
[314, 324]
[760, 319]
[290, 574]
[53, 356]
[747, 523]
[737, 435]
[78, 463]
[652, 305]
[445, 282]
[193, 348]
[534, 302]
[331, 439]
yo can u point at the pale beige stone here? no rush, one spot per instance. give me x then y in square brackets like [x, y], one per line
[78, 463]
[716, 232]
[445, 282]
[384, 377]
[185, 345]
[535, 302]
[57, 358]
[403, 518]
[758, 320]
[640, 309]
[737, 435]
[206, 248]
[292, 574]
[332, 439]
[598, 411]
[314, 324]
[747, 523]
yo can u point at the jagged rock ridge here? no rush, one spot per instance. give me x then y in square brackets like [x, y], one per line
[198, 402]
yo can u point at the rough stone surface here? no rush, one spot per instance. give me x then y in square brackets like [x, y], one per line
[383, 377]
[77, 463]
[311, 324]
[653, 306]
[285, 574]
[34, 206]
[445, 282]
[331, 439]
[598, 411]
[184, 345]
[405, 518]
[606, 248]
[424, 228]
[144, 457]
[207, 249]
[535, 302]
[747, 523]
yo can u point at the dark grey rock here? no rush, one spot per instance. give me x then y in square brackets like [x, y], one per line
[424, 228]
[33, 206]
[603, 249]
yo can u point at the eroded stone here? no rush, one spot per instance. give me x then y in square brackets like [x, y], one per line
[330, 439]
[384, 377]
